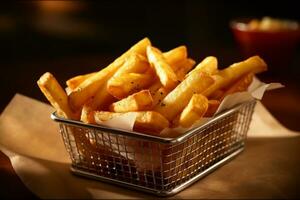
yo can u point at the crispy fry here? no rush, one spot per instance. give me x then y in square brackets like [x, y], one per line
[74, 82]
[229, 75]
[178, 61]
[235, 71]
[178, 98]
[135, 63]
[146, 121]
[101, 116]
[239, 86]
[150, 122]
[176, 55]
[163, 70]
[208, 65]
[55, 95]
[184, 67]
[90, 86]
[218, 83]
[159, 95]
[155, 86]
[194, 110]
[139, 101]
[127, 84]
[213, 106]
[101, 100]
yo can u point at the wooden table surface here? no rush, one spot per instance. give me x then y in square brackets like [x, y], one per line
[282, 103]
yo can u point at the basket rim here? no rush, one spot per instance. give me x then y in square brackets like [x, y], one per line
[148, 137]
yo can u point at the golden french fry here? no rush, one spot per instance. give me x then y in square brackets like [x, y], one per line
[218, 84]
[208, 65]
[102, 99]
[178, 98]
[139, 101]
[213, 106]
[239, 86]
[184, 67]
[159, 92]
[146, 121]
[150, 122]
[235, 71]
[159, 95]
[180, 65]
[155, 86]
[135, 63]
[229, 75]
[176, 55]
[127, 84]
[74, 82]
[181, 69]
[90, 86]
[55, 95]
[101, 116]
[163, 70]
[195, 109]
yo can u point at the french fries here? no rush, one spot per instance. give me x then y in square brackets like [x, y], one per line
[127, 84]
[218, 83]
[234, 72]
[208, 65]
[55, 95]
[163, 70]
[178, 98]
[159, 95]
[239, 86]
[178, 61]
[101, 100]
[184, 67]
[89, 87]
[74, 82]
[194, 110]
[253, 64]
[162, 89]
[138, 101]
[175, 56]
[150, 122]
[135, 63]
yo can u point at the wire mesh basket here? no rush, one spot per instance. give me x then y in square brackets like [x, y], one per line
[162, 166]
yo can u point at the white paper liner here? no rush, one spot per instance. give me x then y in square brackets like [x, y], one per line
[255, 90]
[124, 121]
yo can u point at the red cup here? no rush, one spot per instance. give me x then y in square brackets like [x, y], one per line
[275, 47]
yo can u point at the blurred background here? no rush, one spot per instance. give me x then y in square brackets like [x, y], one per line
[69, 38]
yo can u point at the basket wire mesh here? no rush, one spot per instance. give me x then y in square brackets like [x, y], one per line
[162, 166]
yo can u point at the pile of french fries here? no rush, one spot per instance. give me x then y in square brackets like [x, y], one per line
[164, 89]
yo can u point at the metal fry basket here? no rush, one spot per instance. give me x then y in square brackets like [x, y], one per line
[161, 166]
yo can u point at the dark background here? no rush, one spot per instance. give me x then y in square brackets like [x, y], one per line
[69, 38]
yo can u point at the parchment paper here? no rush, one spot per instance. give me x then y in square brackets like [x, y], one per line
[268, 168]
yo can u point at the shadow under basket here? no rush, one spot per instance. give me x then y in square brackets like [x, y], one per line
[161, 166]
